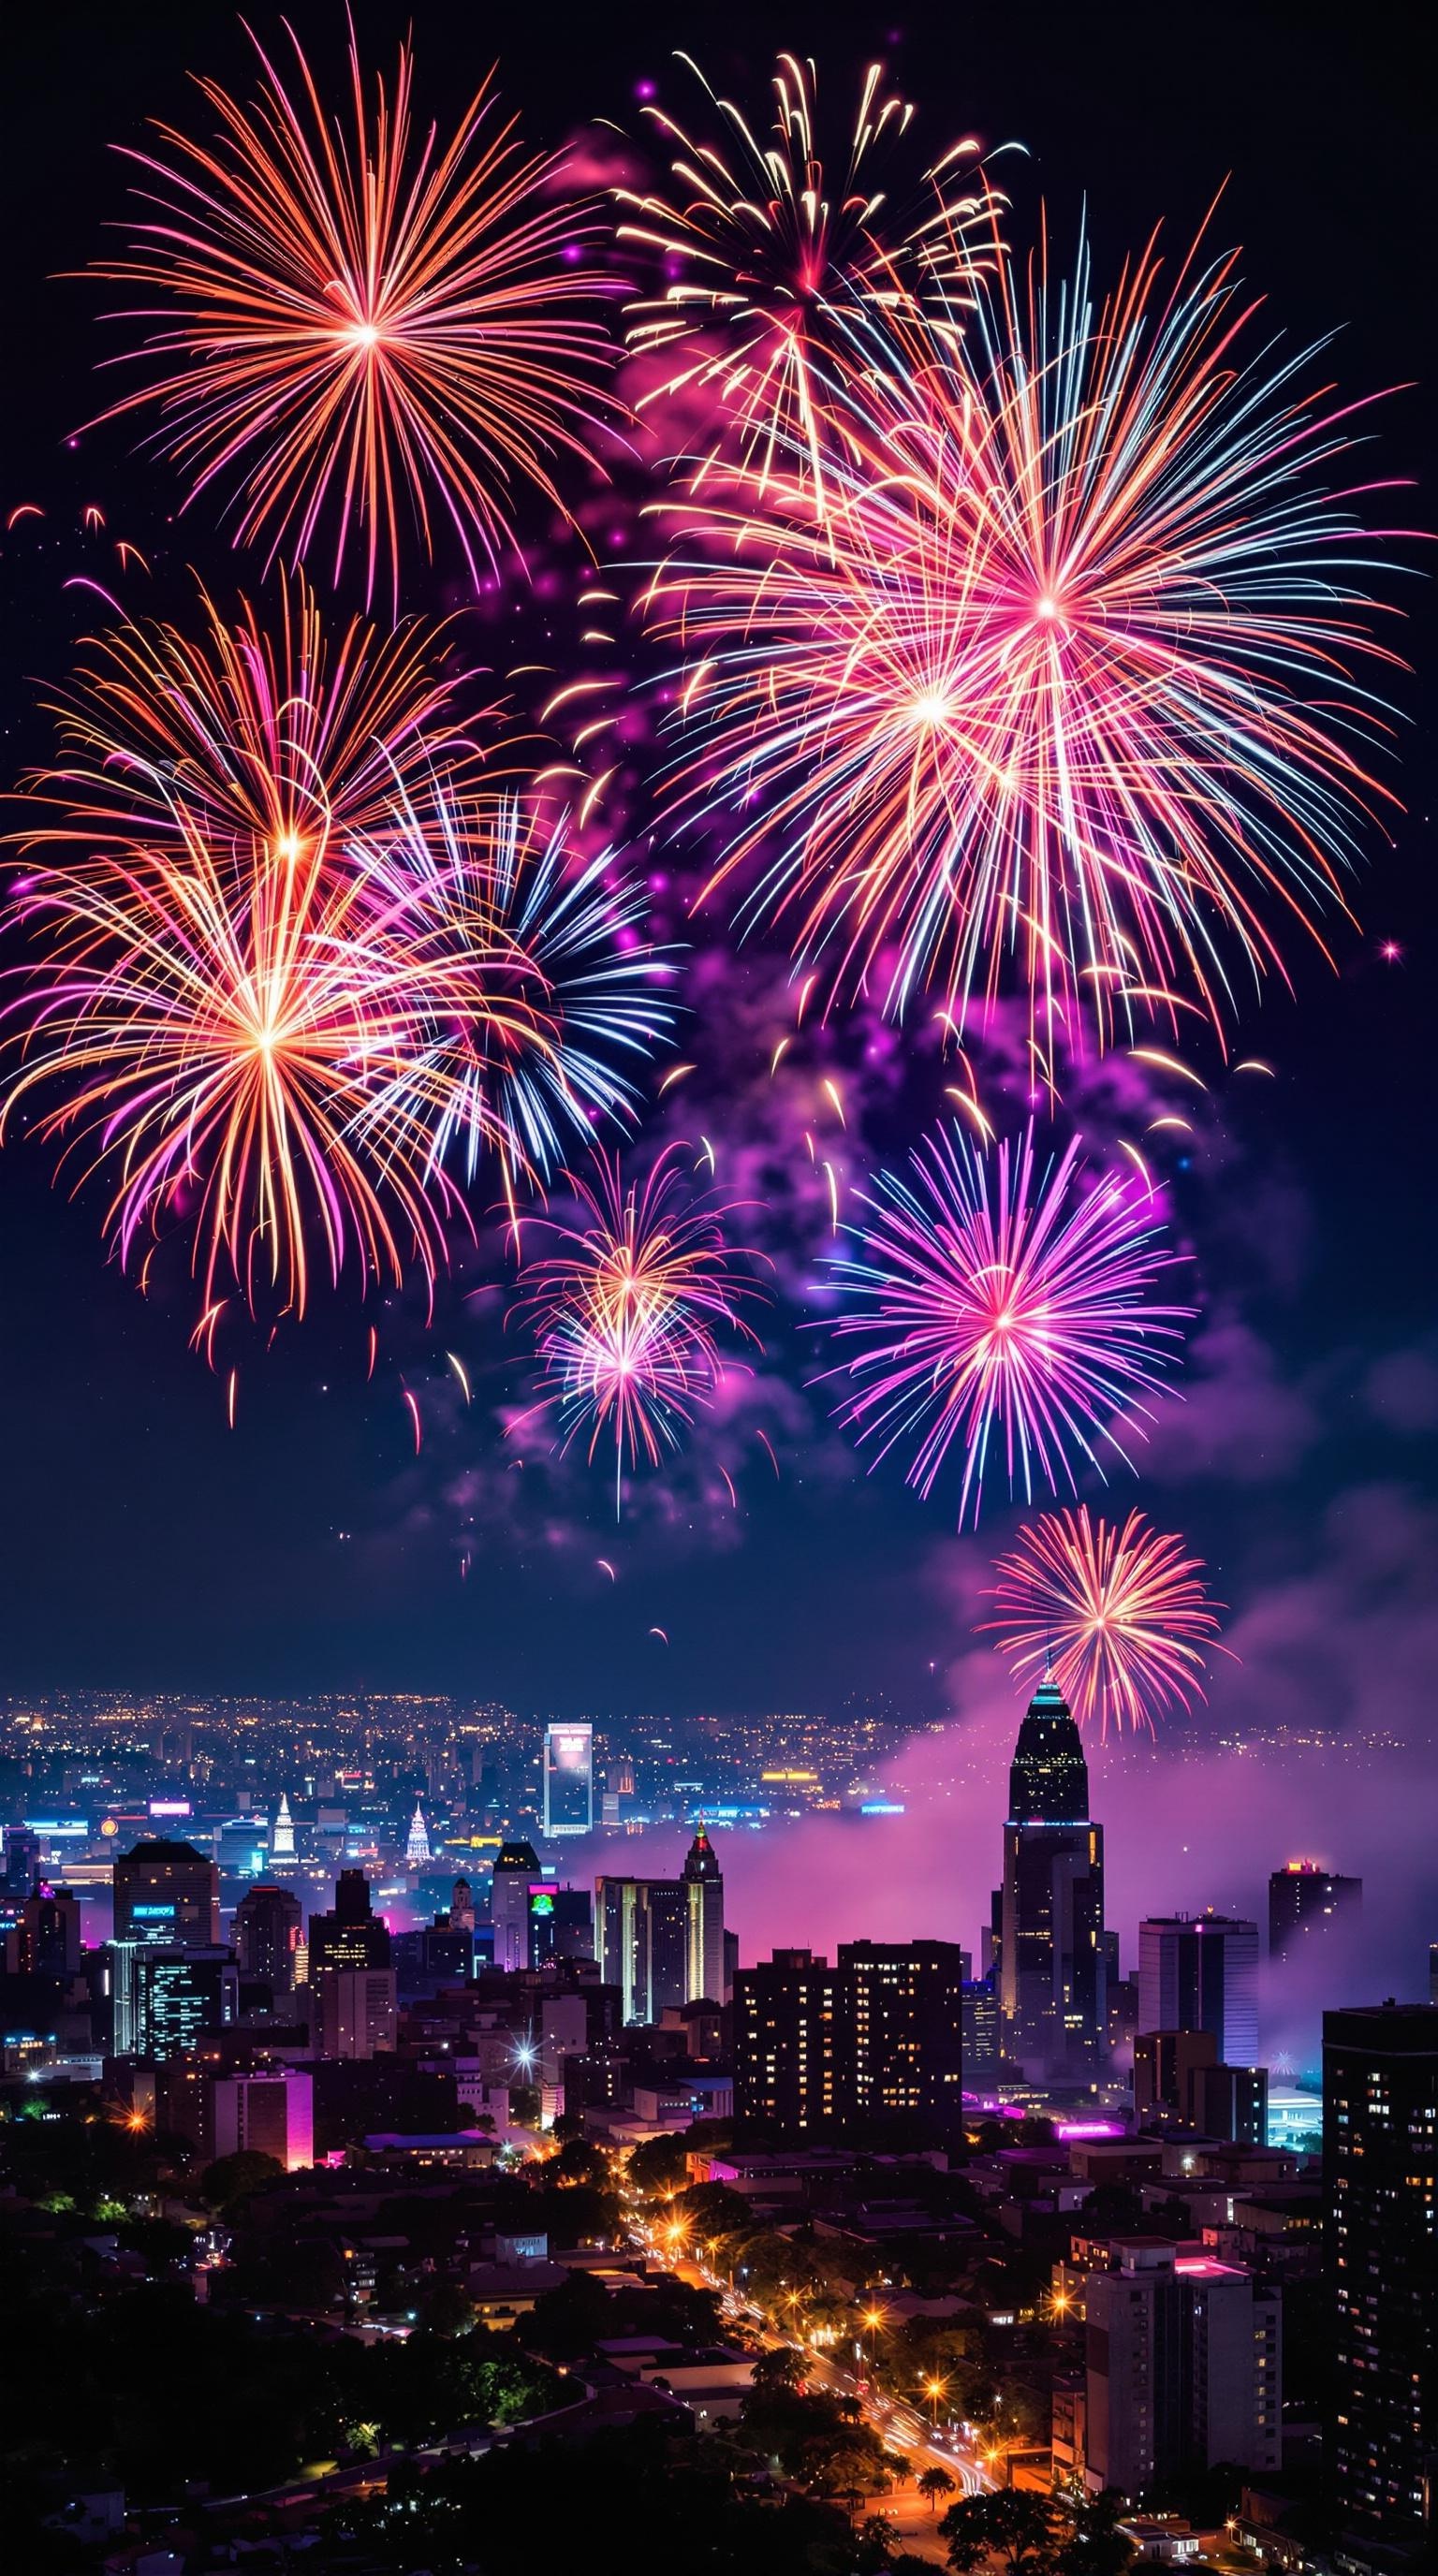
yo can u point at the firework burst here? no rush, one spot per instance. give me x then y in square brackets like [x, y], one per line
[501, 877]
[356, 331]
[214, 992]
[1120, 1616]
[1002, 1308]
[764, 255]
[1062, 693]
[626, 1316]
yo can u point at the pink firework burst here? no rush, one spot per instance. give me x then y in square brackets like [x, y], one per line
[1004, 1308]
[1121, 1616]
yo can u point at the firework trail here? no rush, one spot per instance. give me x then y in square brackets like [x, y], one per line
[763, 257]
[1002, 1308]
[356, 333]
[1120, 1616]
[1062, 694]
[626, 1316]
[501, 876]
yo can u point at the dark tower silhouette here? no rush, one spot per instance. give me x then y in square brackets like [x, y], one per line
[1052, 1976]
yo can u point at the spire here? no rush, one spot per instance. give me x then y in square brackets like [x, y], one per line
[416, 1850]
[283, 1845]
[701, 1861]
[1048, 1779]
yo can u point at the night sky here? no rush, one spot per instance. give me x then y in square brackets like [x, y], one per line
[144, 1544]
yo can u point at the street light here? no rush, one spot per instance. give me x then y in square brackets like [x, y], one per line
[936, 2388]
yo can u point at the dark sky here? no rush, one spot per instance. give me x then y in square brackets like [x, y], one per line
[141, 1543]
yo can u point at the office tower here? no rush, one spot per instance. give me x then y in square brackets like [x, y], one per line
[267, 1936]
[167, 1892]
[179, 1995]
[352, 1935]
[22, 1859]
[568, 1780]
[1184, 2367]
[416, 1850]
[269, 2114]
[704, 1956]
[1164, 2064]
[561, 1924]
[358, 2012]
[242, 1846]
[516, 1867]
[1380, 2184]
[46, 1940]
[879, 2034]
[1230, 2102]
[1303, 1899]
[1051, 1966]
[641, 1941]
[981, 2031]
[282, 1841]
[1200, 1972]
[461, 1906]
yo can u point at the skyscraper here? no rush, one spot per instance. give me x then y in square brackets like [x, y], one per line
[704, 1963]
[168, 1892]
[1303, 1899]
[1051, 1981]
[351, 1935]
[877, 2035]
[1200, 1972]
[1184, 2367]
[357, 2012]
[568, 1780]
[641, 1941]
[267, 1936]
[1380, 2189]
[282, 1841]
[416, 1850]
[515, 1865]
[180, 1994]
[271, 2113]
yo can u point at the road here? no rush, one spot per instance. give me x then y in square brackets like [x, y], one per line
[900, 2427]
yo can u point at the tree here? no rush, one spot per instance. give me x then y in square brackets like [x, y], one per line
[780, 2367]
[933, 2483]
[231, 2179]
[1024, 2530]
[1098, 2546]
[660, 2164]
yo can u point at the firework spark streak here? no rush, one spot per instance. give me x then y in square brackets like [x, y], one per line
[626, 1316]
[1121, 1616]
[1062, 692]
[356, 330]
[1002, 1308]
[500, 876]
[763, 259]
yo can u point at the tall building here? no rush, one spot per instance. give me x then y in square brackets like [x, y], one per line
[1051, 1953]
[46, 1940]
[1200, 1972]
[22, 1859]
[167, 1892]
[268, 1929]
[1304, 1898]
[516, 1865]
[704, 1959]
[179, 1995]
[271, 2114]
[351, 1935]
[568, 1780]
[877, 2035]
[1184, 2367]
[416, 1850]
[358, 2012]
[641, 1941]
[282, 1841]
[1380, 2188]
[461, 1906]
